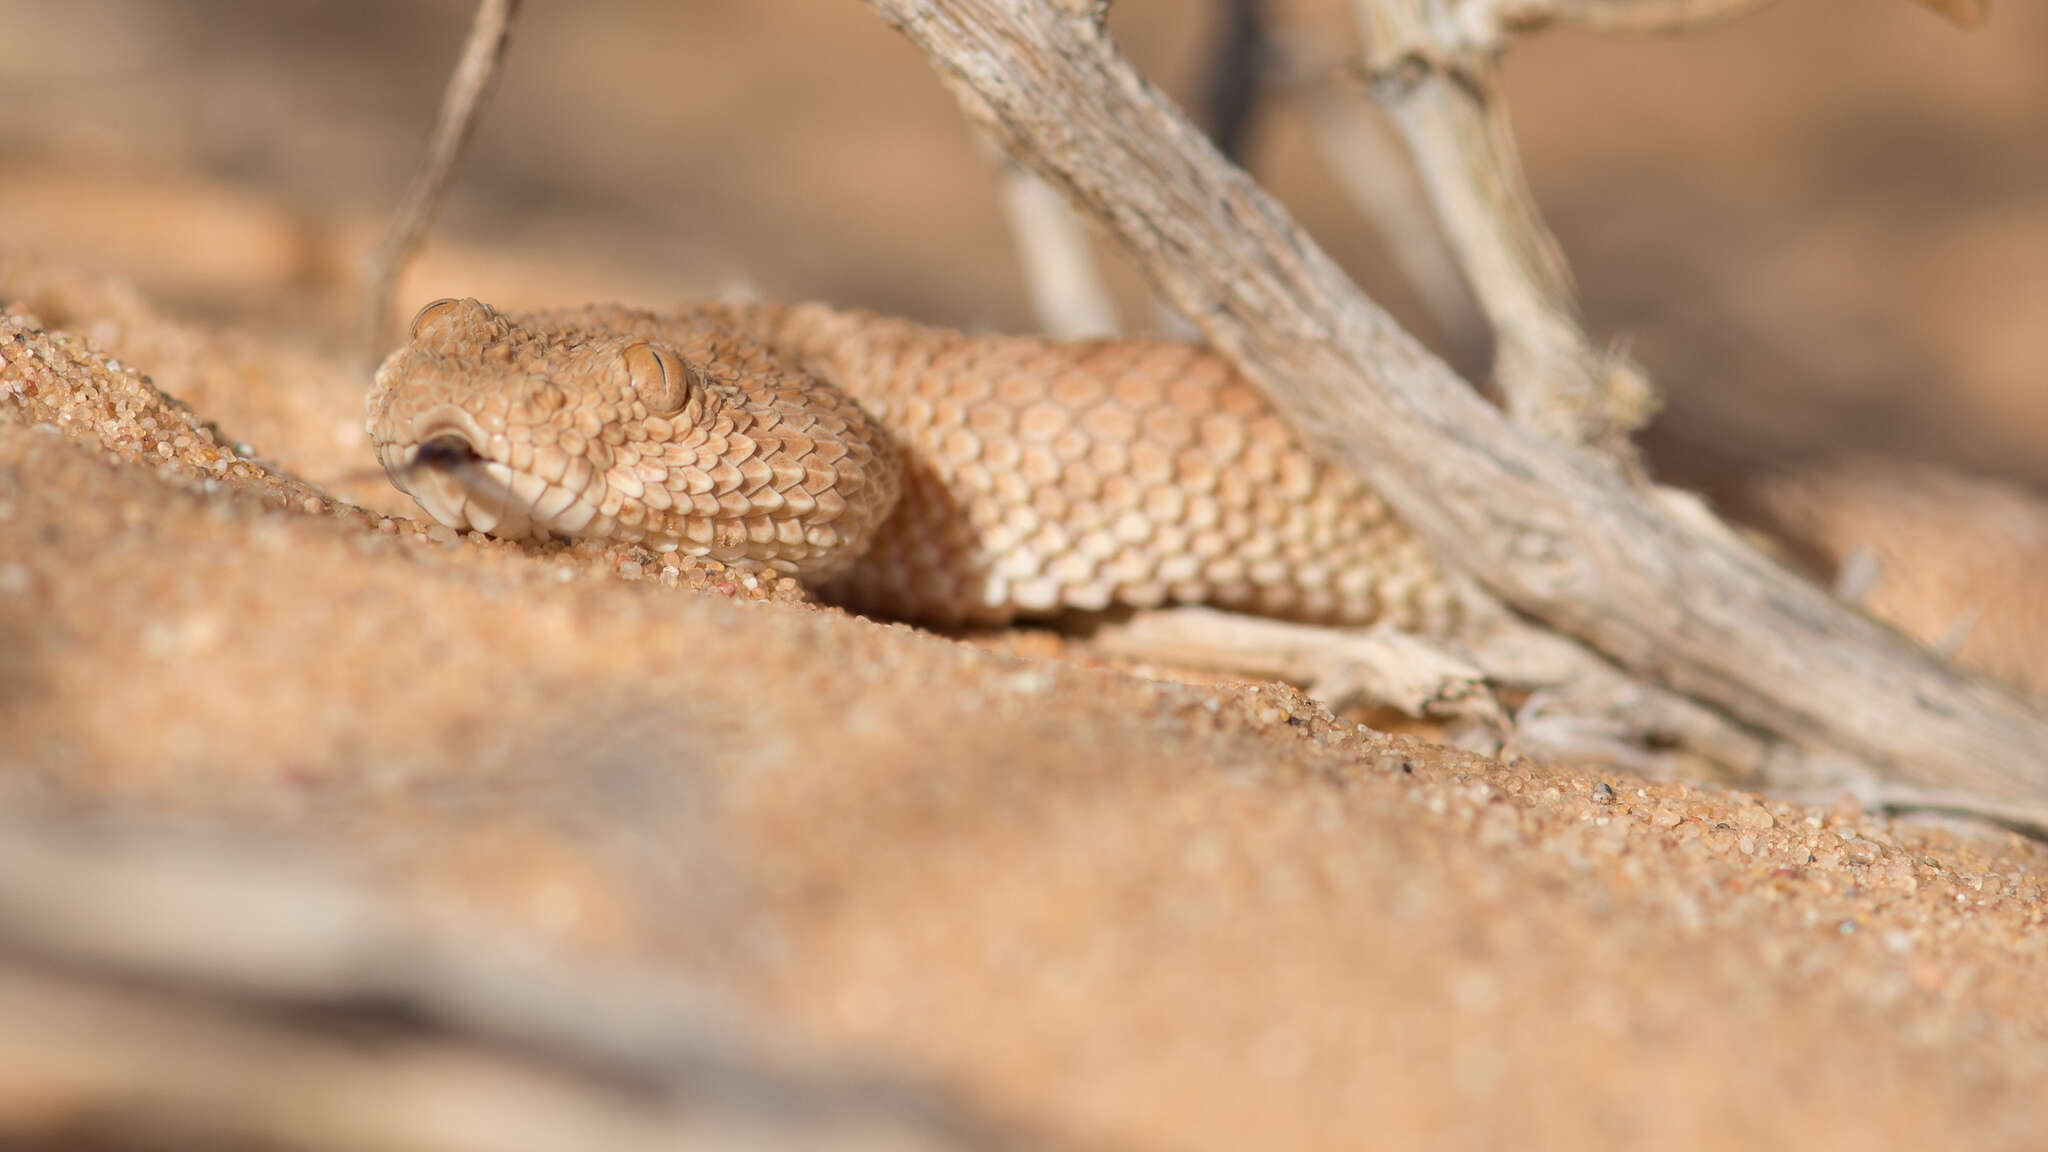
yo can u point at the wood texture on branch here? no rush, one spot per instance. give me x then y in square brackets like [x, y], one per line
[1647, 578]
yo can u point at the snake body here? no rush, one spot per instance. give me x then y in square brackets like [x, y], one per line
[907, 471]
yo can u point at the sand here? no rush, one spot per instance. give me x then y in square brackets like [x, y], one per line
[1086, 907]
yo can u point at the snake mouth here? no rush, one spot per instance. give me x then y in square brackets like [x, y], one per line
[446, 452]
[450, 470]
[457, 483]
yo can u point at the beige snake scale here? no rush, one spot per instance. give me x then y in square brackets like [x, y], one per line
[911, 472]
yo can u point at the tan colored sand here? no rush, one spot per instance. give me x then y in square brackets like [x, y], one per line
[1130, 911]
[1117, 912]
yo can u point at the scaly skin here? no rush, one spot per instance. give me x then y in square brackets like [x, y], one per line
[912, 472]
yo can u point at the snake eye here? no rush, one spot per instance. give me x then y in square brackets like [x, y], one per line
[660, 378]
[438, 312]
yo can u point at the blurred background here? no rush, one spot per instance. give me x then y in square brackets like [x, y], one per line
[1823, 228]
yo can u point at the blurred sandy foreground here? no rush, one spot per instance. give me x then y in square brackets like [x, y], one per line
[327, 831]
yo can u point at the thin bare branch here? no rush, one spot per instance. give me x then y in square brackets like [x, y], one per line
[1442, 97]
[1067, 295]
[1492, 21]
[1367, 161]
[483, 55]
[1663, 16]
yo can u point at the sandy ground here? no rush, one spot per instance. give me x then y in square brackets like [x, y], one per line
[1092, 908]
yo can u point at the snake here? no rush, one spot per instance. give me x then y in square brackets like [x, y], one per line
[912, 472]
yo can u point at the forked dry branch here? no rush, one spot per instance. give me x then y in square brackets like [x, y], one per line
[1571, 538]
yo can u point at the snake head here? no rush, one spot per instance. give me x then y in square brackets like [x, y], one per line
[524, 432]
[609, 424]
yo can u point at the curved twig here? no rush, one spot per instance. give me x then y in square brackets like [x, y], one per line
[483, 54]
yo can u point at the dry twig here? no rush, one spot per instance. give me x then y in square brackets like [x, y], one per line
[1067, 295]
[1492, 21]
[1362, 154]
[483, 56]
[1441, 94]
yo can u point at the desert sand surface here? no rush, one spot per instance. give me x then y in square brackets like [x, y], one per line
[987, 894]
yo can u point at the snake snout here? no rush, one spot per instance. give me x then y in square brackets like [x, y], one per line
[445, 437]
